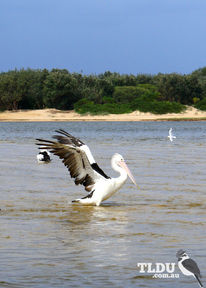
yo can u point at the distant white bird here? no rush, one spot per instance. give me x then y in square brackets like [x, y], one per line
[171, 136]
[43, 156]
[78, 158]
[188, 266]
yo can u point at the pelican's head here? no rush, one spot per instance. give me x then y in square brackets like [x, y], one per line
[118, 160]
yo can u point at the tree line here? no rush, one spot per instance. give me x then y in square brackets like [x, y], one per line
[106, 92]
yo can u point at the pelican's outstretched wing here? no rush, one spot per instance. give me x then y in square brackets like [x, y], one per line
[76, 156]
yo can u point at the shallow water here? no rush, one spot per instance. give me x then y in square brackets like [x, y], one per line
[48, 242]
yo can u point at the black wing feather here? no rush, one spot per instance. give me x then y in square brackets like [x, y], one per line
[68, 148]
[76, 162]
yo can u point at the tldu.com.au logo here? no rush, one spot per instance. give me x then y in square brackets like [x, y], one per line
[159, 270]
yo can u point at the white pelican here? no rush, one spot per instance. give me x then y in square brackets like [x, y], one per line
[171, 136]
[43, 156]
[77, 157]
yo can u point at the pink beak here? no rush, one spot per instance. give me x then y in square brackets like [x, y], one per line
[125, 167]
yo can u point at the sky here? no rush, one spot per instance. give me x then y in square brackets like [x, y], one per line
[94, 36]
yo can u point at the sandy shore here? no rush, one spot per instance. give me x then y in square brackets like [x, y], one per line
[57, 115]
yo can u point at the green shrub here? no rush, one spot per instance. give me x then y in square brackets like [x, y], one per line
[201, 104]
[84, 106]
[157, 107]
[107, 99]
[142, 104]
[195, 100]
[143, 97]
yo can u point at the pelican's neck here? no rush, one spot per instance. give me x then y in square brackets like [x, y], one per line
[120, 170]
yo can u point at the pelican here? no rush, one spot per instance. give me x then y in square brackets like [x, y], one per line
[43, 156]
[78, 158]
[171, 136]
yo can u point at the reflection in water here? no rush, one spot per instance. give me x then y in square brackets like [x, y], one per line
[48, 242]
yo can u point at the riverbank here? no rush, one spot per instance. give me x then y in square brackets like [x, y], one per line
[191, 114]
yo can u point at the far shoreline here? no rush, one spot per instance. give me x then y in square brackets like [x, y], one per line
[49, 115]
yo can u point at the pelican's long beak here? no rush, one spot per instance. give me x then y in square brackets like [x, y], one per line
[129, 173]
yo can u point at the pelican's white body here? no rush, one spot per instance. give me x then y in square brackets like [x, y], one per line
[105, 188]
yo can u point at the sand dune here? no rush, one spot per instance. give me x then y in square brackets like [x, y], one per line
[58, 115]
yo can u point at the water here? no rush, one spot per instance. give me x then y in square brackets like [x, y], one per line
[48, 242]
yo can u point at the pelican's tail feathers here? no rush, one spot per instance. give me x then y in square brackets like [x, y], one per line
[88, 200]
[76, 200]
